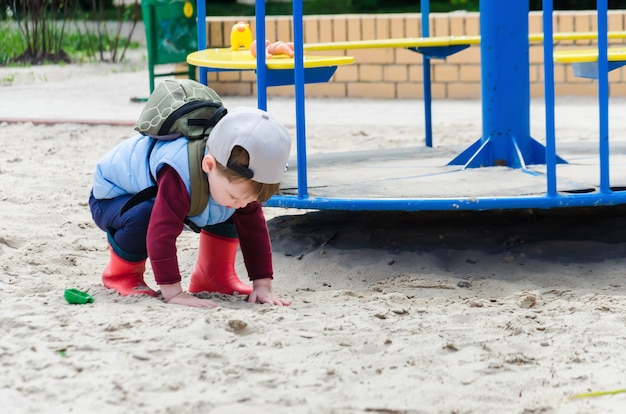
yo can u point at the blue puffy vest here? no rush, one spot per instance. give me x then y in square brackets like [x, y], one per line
[125, 170]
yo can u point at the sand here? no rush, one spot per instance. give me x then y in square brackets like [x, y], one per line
[466, 312]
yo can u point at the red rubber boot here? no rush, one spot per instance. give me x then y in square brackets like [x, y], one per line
[126, 278]
[215, 268]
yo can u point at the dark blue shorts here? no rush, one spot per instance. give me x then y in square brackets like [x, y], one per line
[128, 230]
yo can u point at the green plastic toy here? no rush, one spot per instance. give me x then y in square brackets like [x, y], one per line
[77, 297]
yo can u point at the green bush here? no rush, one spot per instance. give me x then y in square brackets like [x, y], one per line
[12, 42]
[85, 46]
[41, 31]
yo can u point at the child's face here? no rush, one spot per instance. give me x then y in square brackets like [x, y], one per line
[228, 194]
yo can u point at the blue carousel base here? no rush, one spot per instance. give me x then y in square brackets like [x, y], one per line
[420, 179]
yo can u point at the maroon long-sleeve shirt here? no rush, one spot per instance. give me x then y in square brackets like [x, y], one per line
[166, 224]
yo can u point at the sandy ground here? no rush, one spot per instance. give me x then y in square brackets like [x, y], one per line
[492, 312]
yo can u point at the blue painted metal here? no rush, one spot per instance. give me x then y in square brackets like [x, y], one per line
[451, 204]
[590, 70]
[261, 69]
[603, 95]
[548, 74]
[439, 52]
[201, 16]
[505, 90]
[298, 38]
[285, 77]
[506, 119]
[426, 84]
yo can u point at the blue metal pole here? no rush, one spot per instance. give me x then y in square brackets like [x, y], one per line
[201, 27]
[428, 125]
[603, 95]
[548, 67]
[261, 69]
[505, 74]
[505, 88]
[299, 95]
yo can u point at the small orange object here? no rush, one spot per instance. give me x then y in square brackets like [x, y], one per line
[276, 48]
[281, 48]
[253, 48]
[240, 36]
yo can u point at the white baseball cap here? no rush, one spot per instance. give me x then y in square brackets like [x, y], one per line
[267, 141]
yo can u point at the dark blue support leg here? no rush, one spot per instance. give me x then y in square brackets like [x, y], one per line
[519, 153]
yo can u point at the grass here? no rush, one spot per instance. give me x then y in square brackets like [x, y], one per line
[84, 47]
[11, 41]
[80, 47]
[7, 80]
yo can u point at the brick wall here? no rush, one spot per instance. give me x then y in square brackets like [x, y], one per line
[397, 73]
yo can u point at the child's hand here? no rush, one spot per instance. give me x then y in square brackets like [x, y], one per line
[174, 294]
[262, 293]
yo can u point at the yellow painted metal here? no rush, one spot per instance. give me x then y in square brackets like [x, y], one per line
[226, 58]
[445, 41]
[538, 37]
[395, 43]
[615, 54]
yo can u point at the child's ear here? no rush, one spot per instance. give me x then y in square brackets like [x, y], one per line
[208, 163]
